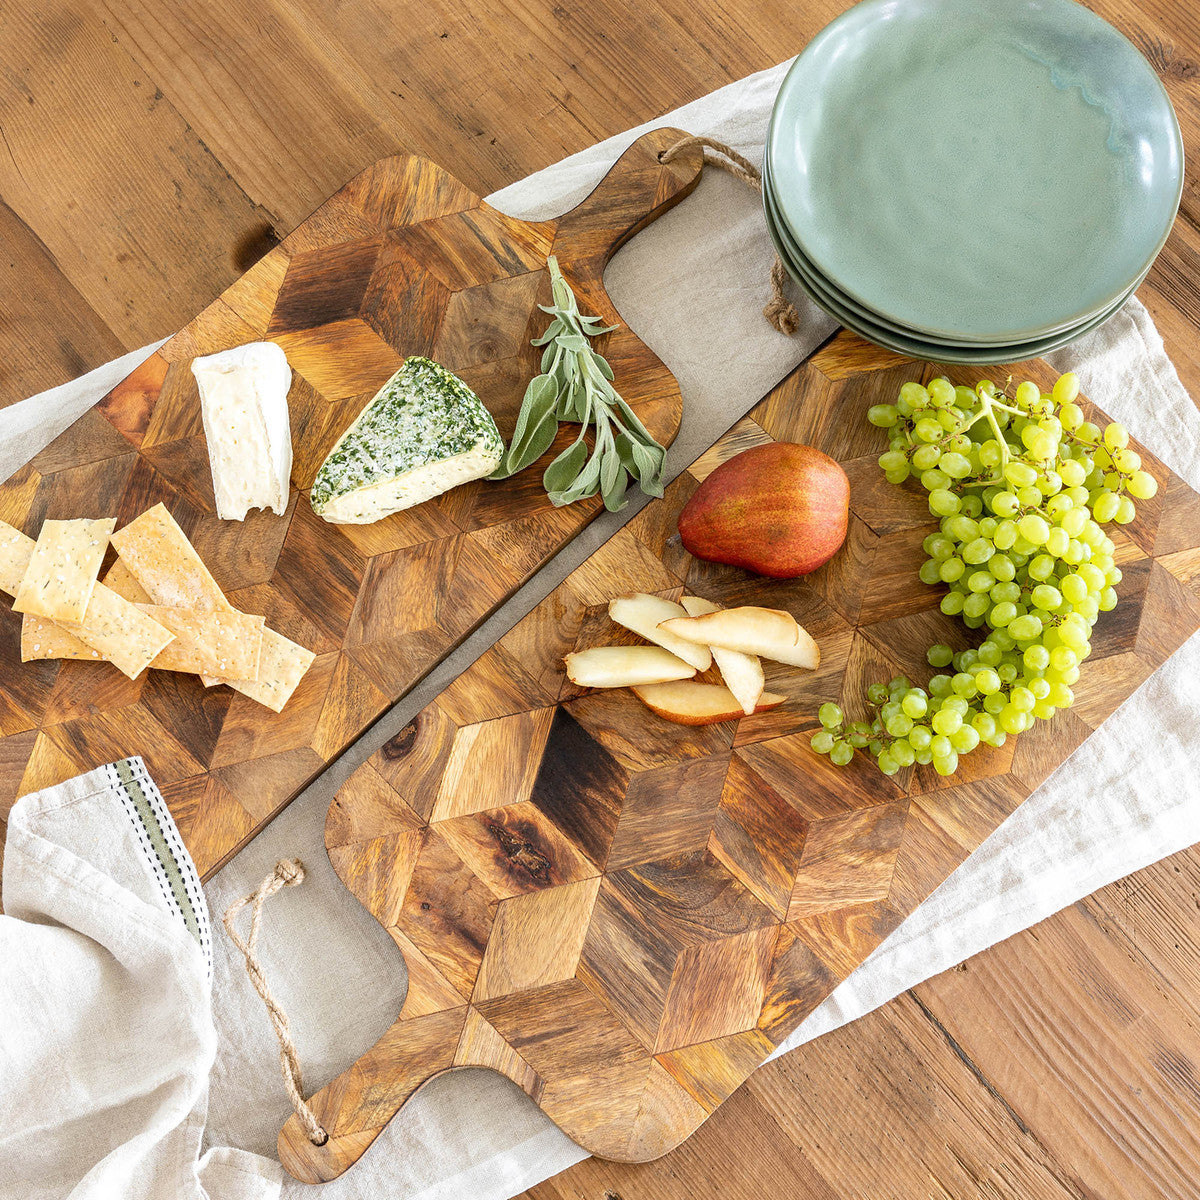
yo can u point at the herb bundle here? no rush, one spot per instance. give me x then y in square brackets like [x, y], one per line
[576, 385]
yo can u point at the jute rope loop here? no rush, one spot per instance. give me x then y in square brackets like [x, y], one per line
[288, 872]
[779, 310]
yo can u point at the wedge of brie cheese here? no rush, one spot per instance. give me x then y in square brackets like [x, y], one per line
[422, 434]
[243, 400]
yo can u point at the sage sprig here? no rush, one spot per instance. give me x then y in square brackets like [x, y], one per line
[576, 384]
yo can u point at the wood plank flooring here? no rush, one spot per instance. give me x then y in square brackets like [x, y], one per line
[148, 153]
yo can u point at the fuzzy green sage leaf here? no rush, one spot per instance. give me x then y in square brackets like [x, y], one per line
[576, 385]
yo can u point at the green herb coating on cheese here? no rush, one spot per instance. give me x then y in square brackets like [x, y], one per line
[424, 432]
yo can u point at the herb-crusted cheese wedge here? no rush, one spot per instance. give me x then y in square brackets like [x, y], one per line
[424, 433]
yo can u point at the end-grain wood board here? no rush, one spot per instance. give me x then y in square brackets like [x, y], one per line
[403, 260]
[626, 916]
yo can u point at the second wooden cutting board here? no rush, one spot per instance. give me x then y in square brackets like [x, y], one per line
[626, 916]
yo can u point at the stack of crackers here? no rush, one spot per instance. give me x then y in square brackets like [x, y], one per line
[158, 606]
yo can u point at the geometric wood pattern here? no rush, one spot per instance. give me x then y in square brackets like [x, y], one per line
[403, 260]
[626, 916]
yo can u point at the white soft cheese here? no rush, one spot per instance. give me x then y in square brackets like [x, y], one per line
[243, 400]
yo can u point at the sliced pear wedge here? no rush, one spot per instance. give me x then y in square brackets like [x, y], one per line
[766, 632]
[690, 703]
[743, 673]
[624, 666]
[643, 614]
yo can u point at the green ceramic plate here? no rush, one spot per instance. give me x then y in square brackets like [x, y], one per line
[797, 257]
[984, 170]
[938, 352]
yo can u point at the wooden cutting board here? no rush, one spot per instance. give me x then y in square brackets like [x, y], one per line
[626, 916]
[403, 260]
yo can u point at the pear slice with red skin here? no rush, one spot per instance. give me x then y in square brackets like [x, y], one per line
[766, 632]
[644, 614]
[687, 702]
[624, 666]
[742, 673]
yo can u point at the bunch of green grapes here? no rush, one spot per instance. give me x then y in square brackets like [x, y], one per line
[1022, 488]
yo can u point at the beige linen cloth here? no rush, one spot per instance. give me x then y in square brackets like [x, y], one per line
[692, 286]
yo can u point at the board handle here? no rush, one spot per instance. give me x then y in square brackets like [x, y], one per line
[354, 1108]
[637, 190]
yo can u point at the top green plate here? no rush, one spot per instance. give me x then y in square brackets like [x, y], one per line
[991, 170]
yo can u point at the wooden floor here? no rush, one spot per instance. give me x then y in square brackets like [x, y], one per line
[151, 151]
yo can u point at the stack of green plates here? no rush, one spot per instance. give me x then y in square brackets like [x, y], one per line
[974, 181]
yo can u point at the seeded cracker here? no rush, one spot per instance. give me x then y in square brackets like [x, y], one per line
[210, 643]
[63, 569]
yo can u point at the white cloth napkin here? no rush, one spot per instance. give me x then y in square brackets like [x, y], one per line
[692, 286]
[105, 989]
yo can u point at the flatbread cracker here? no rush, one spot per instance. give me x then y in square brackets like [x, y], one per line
[42, 638]
[63, 569]
[120, 579]
[15, 552]
[129, 638]
[281, 665]
[160, 557]
[210, 643]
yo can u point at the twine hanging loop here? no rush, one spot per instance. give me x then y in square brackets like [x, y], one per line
[288, 872]
[779, 310]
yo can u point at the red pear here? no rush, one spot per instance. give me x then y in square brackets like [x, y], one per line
[780, 510]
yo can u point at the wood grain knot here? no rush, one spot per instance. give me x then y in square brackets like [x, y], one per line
[401, 745]
[521, 853]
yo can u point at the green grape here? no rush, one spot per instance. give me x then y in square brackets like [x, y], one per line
[915, 705]
[951, 570]
[941, 392]
[944, 503]
[919, 738]
[877, 693]
[929, 571]
[1005, 537]
[963, 683]
[933, 480]
[899, 475]
[841, 753]
[887, 763]
[1057, 541]
[955, 465]
[1072, 473]
[928, 429]
[915, 395]
[1066, 388]
[1033, 529]
[984, 724]
[947, 764]
[1025, 628]
[1029, 497]
[1004, 504]
[978, 551]
[903, 752]
[1108, 600]
[1125, 511]
[939, 655]
[1027, 395]
[987, 681]
[1142, 485]
[830, 715]
[1021, 474]
[990, 654]
[900, 725]
[1002, 567]
[1022, 699]
[883, 415]
[1037, 658]
[975, 606]
[939, 686]
[952, 603]
[1002, 614]
[965, 739]
[1042, 567]
[946, 720]
[1063, 658]
[893, 460]
[822, 741]
[1116, 436]
[1106, 506]
[981, 581]
[1040, 688]
[926, 457]
[1046, 597]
